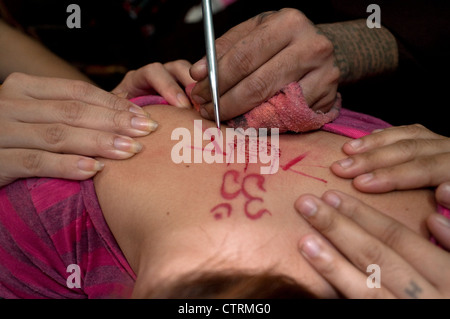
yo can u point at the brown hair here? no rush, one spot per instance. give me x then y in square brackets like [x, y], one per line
[230, 285]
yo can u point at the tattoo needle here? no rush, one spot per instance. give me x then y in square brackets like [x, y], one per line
[211, 57]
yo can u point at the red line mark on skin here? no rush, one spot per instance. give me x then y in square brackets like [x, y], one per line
[213, 140]
[219, 215]
[224, 193]
[293, 162]
[301, 173]
[197, 148]
[259, 213]
[260, 183]
[232, 177]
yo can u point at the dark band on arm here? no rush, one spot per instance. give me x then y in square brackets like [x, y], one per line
[360, 51]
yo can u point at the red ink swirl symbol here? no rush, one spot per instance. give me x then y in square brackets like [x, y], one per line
[232, 177]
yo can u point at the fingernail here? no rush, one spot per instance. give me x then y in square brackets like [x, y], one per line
[127, 145]
[90, 165]
[137, 110]
[143, 124]
[307, 207]
[378, 130]
[443, 220]
[365, 178]
[310, 247]
[346, 163]
[204, 113]
[332, 199]
[355, 144]
[183, 101]
[198, 99]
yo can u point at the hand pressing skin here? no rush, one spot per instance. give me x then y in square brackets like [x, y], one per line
[260, 56]
[51, 127]
[396, 158]
[408, 262]
[164, 79]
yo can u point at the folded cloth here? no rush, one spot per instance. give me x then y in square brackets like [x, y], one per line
[287, 110]
[354, 124]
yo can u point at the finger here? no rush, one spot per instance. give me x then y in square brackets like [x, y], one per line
[398, 152]
[439, 227]
[20, 163]
[419, 252]
[389, 136]
[337, 270]
[443, 194]
[420, 172]
[320, 87]
[155, 77]
[364, 250]
[199, 71]
[64, 89]
[180, 70]
[59, 138]
[83, 115]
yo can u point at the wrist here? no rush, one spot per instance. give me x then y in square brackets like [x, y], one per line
[360, 51]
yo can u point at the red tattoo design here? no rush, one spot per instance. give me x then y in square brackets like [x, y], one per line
[232, 177]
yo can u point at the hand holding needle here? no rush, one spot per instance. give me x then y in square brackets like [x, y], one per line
[211, 57]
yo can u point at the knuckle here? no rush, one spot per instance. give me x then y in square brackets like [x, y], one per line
[129, 75]
[15, 77]
[224, 43]
[375, 140]
[242, 60]
[153, 66]
[117, 103]
[392, 235]
[414, 130]
[328, 269]
[426, 164]
[369, 254]
[102, 142]
[33, 162]
[72, 111]
[368, 160]
[294, 17]
[80, 89]
[327, 224]
[408, 147]
[120, 120]
[55, 134]
[322, 47]
[177, 66]
[258, 87]
[334, 75]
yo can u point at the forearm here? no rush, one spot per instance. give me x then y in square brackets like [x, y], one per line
[20, 53]
[361, 52]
